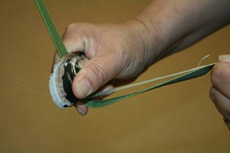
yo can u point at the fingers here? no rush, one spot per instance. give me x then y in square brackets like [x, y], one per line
[81, 108]
[220, 92]
[221, 102]
[221, 78]
[72, 42]
[72, 39]
[97, 72]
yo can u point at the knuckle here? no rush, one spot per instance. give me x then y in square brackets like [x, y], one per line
[71, 26]
[74, 26]
[77, 26]
[79, 29]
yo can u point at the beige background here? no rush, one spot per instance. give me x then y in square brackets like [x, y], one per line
[177, 118]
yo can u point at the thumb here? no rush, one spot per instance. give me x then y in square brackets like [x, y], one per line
[97, 72]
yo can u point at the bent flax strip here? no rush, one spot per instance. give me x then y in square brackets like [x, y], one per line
[199, 71]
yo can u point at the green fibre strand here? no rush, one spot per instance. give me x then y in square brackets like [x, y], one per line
[51, 28]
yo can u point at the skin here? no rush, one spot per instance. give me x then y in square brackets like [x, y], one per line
[220, 91]
[123, 51]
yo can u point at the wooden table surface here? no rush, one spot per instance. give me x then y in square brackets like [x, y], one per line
[177, 118]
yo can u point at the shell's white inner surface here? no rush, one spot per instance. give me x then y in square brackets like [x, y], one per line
[56, 86]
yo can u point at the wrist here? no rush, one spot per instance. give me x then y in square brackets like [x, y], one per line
[151, 44]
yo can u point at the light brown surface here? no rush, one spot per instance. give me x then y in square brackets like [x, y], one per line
[177, 118]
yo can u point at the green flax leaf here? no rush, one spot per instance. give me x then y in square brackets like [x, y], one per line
[200, 71]
[51, 28]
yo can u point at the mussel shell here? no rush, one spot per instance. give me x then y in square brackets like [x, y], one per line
[60, 83]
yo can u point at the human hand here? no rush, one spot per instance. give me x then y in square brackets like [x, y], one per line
[115, 51]
[220, 91]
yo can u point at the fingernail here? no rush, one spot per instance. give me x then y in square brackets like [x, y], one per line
[83, 88]
[80, 110]
[224, 58]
